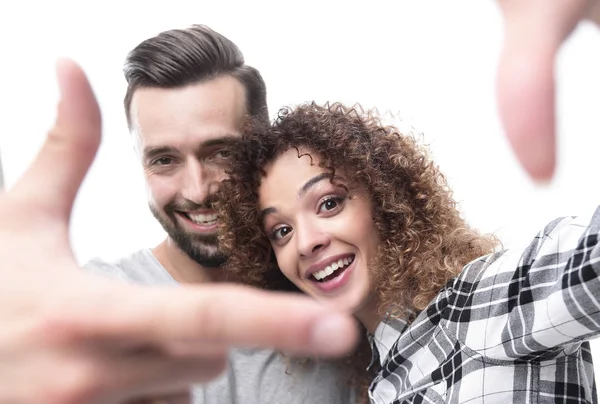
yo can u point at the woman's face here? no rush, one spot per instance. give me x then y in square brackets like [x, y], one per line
[322, 234]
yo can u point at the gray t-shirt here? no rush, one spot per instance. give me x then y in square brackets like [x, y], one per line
[254, 375]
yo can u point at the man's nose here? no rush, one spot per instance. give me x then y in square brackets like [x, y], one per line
[197, 183]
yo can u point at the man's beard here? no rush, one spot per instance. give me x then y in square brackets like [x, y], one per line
[204, 249]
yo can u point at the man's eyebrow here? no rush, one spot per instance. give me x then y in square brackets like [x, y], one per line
[152, 151]
[222, 140]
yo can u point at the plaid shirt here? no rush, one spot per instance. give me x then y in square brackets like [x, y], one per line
[511, 328]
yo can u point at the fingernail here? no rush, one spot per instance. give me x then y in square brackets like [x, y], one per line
[333, 334]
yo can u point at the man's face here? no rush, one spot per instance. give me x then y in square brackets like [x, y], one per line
[183, 135]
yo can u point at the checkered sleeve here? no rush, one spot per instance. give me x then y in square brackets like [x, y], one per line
[534, 303]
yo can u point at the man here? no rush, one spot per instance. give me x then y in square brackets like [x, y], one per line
[93, 354]
[188, 92]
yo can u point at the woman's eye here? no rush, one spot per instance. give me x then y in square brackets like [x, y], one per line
[281, 232]
[329, 204]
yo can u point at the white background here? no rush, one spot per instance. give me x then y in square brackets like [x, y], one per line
[431, 62]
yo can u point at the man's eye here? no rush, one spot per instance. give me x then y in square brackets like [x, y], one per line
[162, 161]
[222, 154]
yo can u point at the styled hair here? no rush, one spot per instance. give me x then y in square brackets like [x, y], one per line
[424, 240]
[180, 57]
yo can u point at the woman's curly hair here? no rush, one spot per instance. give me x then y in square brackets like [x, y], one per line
[424, 240]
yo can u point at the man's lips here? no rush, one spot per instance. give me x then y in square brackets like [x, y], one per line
[205, 219]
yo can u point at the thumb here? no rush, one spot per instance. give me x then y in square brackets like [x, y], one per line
[534, 31]
[50, 184]
[526, 98]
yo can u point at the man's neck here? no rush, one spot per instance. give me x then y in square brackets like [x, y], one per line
[182, 268]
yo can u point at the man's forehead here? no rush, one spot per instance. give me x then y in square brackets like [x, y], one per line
[189, 115]
[219, 102]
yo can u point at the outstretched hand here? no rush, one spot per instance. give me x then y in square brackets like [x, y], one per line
[68, 336]
[534, 31]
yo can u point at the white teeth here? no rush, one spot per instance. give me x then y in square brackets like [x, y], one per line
[203, 219]
[331, 268]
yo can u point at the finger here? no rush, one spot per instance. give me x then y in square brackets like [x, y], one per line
[183, 349]
[53, 179]
[175, 398]
[526, 94]
[593, 13]
[534, 31]
[226, 315]
[116, 377]
[163, 380]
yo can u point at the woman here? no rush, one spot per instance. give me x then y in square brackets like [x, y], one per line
[356, 215]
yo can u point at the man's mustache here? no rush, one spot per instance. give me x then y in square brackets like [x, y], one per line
[189, 206]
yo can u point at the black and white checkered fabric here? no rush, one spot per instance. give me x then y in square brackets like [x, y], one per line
[511, 328]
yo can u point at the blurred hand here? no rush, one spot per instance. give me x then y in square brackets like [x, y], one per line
[534, 31]
[70, 337]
